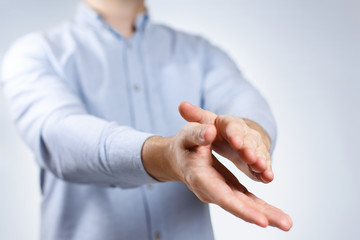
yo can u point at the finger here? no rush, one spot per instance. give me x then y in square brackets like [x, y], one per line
[268, 174]
[256, 165]
[192, 113]
[276, 216]
[196, 134]
[258, 177]
[248, 156]
[261, 152]
[230, 179]
[209, 185]
[239, 205]
[232, 129]
[261, 163]
[259, 166]
[235, 131]
[252, 140]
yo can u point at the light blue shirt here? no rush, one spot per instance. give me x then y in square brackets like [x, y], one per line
[85, 99]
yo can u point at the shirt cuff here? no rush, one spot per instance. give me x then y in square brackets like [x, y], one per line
[123, 152]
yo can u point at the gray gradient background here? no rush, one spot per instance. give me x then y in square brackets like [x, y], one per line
[303, 55]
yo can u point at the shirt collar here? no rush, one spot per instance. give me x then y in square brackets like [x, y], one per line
[86, 14]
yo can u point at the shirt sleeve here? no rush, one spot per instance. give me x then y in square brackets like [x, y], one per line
[66, 140]
[227, 92]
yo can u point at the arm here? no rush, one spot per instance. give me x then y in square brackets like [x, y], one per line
[66, 140]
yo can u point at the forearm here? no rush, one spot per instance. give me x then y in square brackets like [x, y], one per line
[87, 149]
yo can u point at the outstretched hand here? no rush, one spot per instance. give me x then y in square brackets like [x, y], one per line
[242, 141]
[187, 157]
[214, 183]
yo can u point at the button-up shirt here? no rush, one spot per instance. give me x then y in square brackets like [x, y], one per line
[85, 99]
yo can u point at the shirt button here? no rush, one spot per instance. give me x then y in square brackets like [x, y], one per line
[149, 186]
[136, 87]
[157, 235]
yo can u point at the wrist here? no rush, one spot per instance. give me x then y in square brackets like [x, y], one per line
[156, 156]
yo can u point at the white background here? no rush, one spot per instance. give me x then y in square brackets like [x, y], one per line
[304, 56]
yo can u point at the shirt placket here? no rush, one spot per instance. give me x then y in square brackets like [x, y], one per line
[137, 86]
[142, 121]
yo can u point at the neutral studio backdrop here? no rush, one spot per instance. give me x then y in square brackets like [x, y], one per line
[304, 56]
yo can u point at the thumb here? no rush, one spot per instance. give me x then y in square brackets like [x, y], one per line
[192, 113]
[196, 134]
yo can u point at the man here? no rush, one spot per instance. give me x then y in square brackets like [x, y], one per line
[96, 100]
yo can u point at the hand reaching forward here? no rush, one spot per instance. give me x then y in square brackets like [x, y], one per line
[243, 142]
[187, 157]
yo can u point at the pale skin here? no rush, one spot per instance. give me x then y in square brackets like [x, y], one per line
[187, 157]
